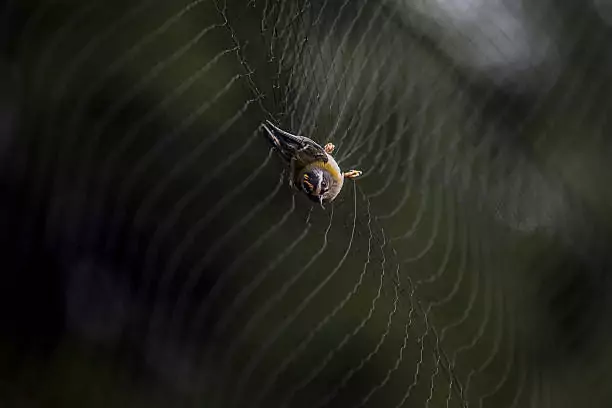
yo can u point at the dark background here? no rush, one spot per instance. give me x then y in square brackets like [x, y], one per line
[152, 254]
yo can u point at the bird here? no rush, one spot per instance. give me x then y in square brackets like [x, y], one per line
[312, 169]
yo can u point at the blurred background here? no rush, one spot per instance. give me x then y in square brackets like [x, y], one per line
[153, 254]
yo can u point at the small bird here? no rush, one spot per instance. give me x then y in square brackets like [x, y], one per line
[312, 168]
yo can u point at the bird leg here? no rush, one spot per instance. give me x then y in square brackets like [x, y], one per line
[291, 174]
[329, 148]
[352, 174]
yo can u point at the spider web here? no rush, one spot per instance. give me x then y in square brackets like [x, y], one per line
[148, 155]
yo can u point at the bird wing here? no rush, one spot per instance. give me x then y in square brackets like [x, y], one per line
[300, 148]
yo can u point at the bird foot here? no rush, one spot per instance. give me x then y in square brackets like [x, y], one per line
[352, 174]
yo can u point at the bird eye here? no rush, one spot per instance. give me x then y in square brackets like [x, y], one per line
[324, 186]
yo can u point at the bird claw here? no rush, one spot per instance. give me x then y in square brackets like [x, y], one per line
[329, 148]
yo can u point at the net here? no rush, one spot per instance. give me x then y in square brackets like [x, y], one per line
[466, 267]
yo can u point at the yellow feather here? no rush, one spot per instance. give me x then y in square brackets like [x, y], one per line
[309, 184]
[332, 168]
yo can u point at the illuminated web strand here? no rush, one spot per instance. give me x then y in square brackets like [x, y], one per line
[372, 80]
[385, 160]
[194, 273]
[488, 295]
[135, 129]
[151, 154]
[440, 355]
[522, 382]
[424, 178]
[393, 158]
[248, 289]
[132, 179]
[224, 320]
[495, 351]
[408, 173]
[350, 373]
[346, 378]
[308, 76]
[98, 85]
[385, 163]
[418, 218]
[301, 307]
[490, 358]
[389, 173]
[248, 71]
[504, 377]
[303, 46]
[389, 373]
[80, 58]
[434, 234]
[447, 298]
[150, 199]
[157, 149]
[41, 168]
[292, 72]
[127, 97]
[373, 88]
[466, 310]
[460, 274]
[323, 322]
[335, 67]
[406, 96]
[361, 71]
[171, 219]
[275, 35]
[310, 101]
[324, 362]
[290, 24]
[417, 371]
[396, 365]
[449, 244]
[424, 107]
[432, 382]
[28, 30]
[358, 144]
[206, 305]
[44, 165]
[421, 340]
[184, 201]
[436, 275]
[193, 278]
[487, 290]
[241, 296]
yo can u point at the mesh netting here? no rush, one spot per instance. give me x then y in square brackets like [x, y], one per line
[466, 267]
